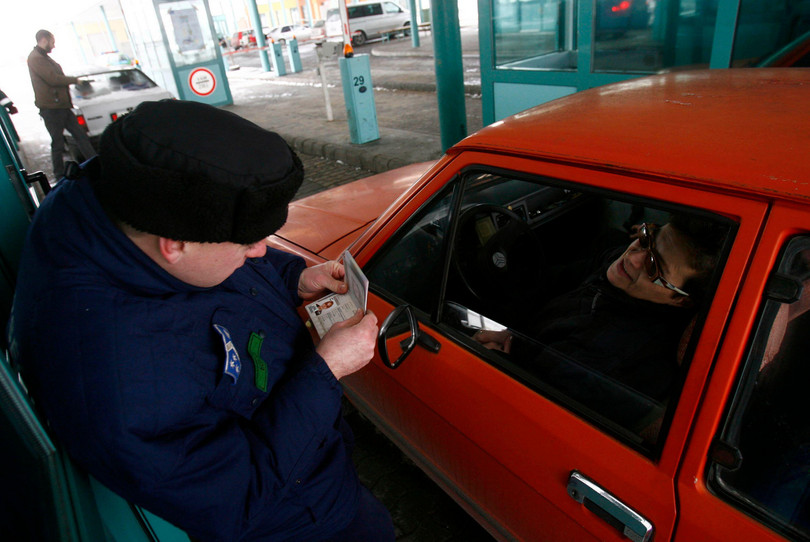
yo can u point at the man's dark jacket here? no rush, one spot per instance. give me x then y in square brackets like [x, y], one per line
[605, 349]
[49, 81]
[207, 406]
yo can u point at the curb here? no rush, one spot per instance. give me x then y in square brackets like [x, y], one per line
[348, 154]
[471, 89]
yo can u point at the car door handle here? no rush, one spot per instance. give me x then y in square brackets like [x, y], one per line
[596, 499]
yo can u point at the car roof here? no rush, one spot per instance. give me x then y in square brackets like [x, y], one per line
[82, 71]
[745, 129]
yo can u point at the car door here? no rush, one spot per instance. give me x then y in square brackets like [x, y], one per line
[394, 15]
[746, 471]
[375, 20]
[530, 457]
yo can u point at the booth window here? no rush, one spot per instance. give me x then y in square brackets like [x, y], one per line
[765, 28]
[643, 36]
[188, 32]
[535, 34]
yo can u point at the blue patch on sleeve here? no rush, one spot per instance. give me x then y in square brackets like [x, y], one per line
[233, 365]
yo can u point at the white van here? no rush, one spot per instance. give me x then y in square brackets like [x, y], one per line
[367, 20]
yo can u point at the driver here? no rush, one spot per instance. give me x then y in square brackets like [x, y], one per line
[625, 320]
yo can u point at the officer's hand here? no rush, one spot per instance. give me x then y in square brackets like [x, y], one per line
[315, 281]
[349, 345]
[11, 109]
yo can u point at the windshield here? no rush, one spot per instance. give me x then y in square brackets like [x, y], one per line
[101, 84]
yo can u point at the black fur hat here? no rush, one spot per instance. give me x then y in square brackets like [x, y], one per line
[192, 172]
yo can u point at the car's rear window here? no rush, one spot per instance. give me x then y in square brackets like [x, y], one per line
[101, 84]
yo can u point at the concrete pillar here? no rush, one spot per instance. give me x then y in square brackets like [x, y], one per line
[449, 72]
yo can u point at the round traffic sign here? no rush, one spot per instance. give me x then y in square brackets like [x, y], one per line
[202, 81]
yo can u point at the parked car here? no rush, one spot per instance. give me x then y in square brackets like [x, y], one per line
[115, 59]
[102, 97]
[243, 38]
[283, 33]
[368, 20]
[319, 30]
[708, 438]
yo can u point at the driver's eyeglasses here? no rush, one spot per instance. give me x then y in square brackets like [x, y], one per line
[647, 242]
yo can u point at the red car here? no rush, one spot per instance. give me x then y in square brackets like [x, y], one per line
[243, 38]
[673, 404]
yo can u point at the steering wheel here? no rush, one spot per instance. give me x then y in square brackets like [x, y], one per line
[498, 259]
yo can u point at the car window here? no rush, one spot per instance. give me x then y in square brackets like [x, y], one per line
[333, 14]
[761, 463]
[101, 84]
[390, 7]
[409, 266]
[763, 28]
[543, 280]
[363, 10]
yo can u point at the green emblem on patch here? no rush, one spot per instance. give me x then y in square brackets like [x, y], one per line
[259, 365]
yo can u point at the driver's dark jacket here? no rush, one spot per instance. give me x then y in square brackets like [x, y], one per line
[594, 342]
[126, 364]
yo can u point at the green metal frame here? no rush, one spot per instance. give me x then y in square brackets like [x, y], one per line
[217, 65]
[583, 77]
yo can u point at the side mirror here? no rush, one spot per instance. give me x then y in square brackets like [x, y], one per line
[399, 334]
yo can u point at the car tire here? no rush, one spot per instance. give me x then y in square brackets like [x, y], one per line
[359, 38]
[282, 41]
[407, 30]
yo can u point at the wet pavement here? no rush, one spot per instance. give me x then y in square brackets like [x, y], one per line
[294, 106]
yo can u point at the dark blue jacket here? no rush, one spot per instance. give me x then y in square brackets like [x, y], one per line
[209, 407]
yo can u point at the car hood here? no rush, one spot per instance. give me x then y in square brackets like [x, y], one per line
[341, 214]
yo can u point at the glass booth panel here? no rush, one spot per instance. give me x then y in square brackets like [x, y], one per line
[188, 32]
[535, 34]
[766, 27]
[652, 35]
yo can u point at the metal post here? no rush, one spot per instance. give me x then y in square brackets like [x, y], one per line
[326, 99]
[110, 35]
[348, 51]
[294, 56]
[449, 72]
[79, 42]
[327, 50]
[274, 22]
[414, 25]
[257, 28]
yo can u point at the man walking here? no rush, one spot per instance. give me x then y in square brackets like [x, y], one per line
[52, 96]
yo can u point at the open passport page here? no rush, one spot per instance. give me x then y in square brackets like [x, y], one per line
[338, 307]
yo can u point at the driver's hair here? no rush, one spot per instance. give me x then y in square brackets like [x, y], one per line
[704, 241]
